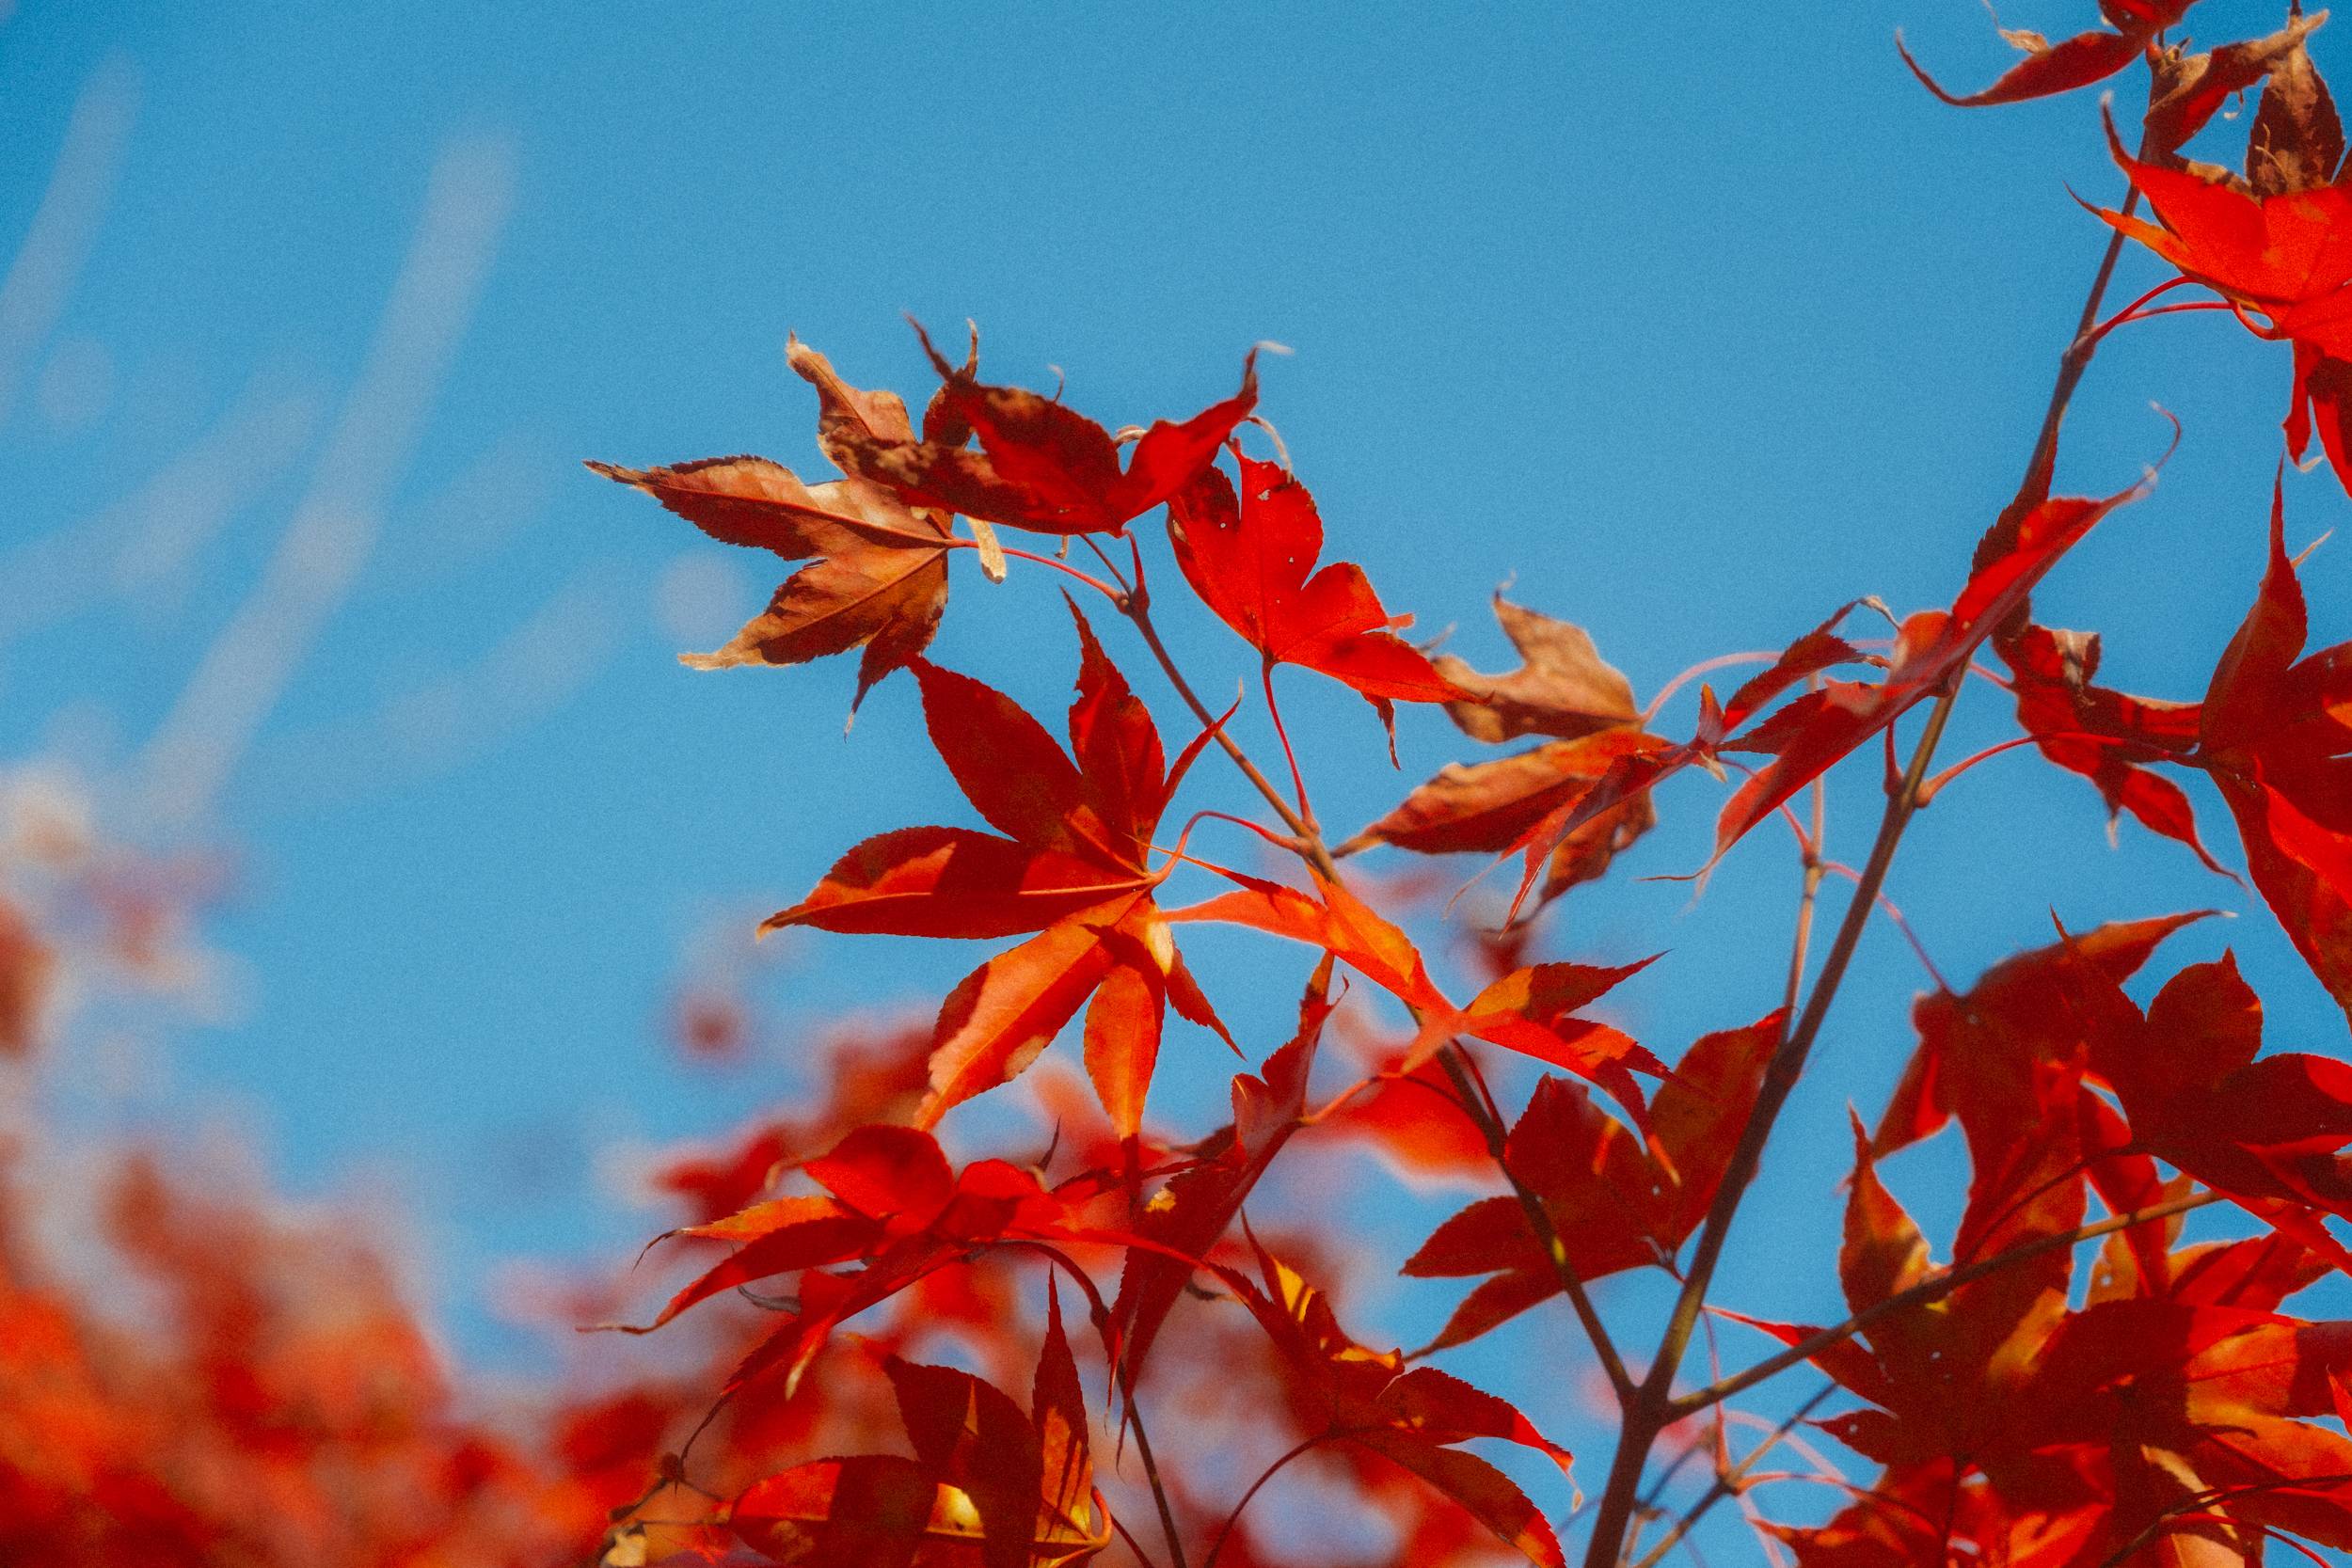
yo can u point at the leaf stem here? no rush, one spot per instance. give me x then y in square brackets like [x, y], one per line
[1062, 567]
[1136, 604]
[1150, 1467]
[1281, 731]
[2076, 360]
[1894, 916]
[1809, 888]
[1935, 787]
[1132, 1416]
[1133, 1546]
[1705, 666]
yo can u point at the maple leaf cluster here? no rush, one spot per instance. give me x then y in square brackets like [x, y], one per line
[1124, 1340]
[2172, 1411]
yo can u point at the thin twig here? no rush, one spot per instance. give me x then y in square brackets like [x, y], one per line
[1125, 1377]
[1136, 604]
[1546, 1234]
[1064, 568]
[1810, 889]
[1142, 1557]
[1151, 1469]
[1649, 1413]
[1235, 1518]
[1727, 1482]
[1893, 911]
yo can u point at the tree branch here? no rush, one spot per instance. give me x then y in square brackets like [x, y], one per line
[1649, 1413]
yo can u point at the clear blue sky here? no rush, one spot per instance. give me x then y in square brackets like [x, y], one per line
[1694, 323]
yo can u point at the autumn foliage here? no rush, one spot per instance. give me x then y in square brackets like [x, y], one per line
[1089, 1345]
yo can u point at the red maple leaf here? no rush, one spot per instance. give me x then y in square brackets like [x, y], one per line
[2274, 735]
[1983, 1052]
[1616, 1199]
[2106, 735]
[2163, 1427]
[1072, 865]
[878, 581]
[990, 1485]
[2189, 1079]
[1530, 1010]
[1249, 557]
[1344, 1392]
[2273, 244]
[1808, 735]
[893, 1204]
[1199, 1204]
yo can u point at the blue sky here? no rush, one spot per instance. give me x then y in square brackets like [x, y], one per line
[1692, 325]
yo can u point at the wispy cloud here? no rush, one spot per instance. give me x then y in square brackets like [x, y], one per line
[334, 528]
[81, 188]
[148, 541]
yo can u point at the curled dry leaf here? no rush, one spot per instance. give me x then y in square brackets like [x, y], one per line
[1039, 465]
[1563, 690]
[878, 579]
[2187, 89]
[2296, 142]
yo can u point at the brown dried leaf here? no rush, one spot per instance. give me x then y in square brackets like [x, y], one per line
[1563, 688]
[1488, 806]
[879, 582]
[2186, 90]
[2298, 139]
